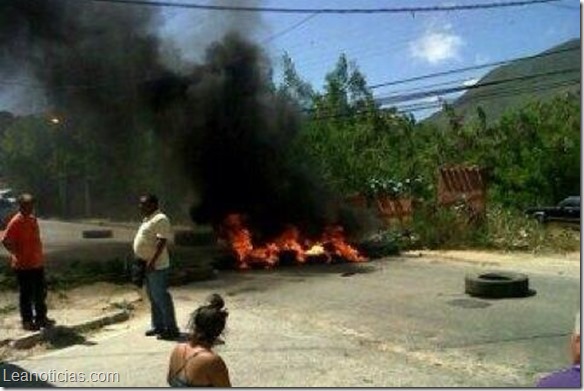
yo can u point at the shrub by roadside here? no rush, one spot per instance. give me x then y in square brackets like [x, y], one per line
[184, 269]
[501, 229]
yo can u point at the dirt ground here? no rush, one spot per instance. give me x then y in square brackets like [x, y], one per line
[67, 308]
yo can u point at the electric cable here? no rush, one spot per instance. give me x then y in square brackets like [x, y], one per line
[395, 10]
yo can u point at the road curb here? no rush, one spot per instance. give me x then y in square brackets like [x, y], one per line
[31, 340]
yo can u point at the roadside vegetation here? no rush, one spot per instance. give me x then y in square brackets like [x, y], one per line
[76, 273]
[72, 273]
[531, 155]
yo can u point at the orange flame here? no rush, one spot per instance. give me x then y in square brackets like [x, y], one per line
[239, 239]
[335, 235]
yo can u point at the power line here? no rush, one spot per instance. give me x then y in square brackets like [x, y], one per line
[460, 70]
[422, 88]
[486, 95]
[396, 99]
[407, 96]
[375, 86]
[287, 30]
[383, 47]
[522, 90]
[320, 42]
[500, 94]
[444, 8]
[450, 90]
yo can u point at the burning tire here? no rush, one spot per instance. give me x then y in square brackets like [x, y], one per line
[97, 234]
[497, 285]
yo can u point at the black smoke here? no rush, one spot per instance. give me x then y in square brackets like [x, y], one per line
[219, 123]
[86, 61]
[234, 134]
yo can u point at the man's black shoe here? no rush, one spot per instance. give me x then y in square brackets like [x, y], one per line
[169, 335]
[153, 332]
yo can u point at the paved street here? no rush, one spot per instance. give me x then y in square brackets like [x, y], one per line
[63, 241]
[398, 322]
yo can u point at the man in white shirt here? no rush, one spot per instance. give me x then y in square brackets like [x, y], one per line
[151, 247]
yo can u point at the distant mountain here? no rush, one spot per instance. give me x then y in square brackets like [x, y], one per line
[514, 85]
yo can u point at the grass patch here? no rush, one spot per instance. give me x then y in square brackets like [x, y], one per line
[75, 273]
[514, 231]
[503, 230]
[79, 273]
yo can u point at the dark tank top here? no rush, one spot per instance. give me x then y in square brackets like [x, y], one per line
[179, 380]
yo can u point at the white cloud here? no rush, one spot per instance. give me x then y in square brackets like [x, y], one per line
[436, 46]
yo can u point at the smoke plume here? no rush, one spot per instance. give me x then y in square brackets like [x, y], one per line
[219, 120]
[234, 133]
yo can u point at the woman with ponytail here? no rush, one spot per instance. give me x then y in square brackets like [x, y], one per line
[194, 364]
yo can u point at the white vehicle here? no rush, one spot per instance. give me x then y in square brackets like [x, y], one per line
[8, 194]
[8, 206]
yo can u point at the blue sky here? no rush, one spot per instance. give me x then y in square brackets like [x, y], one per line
[390, 47]
[386, 47]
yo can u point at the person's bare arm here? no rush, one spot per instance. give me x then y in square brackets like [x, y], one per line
[163, 232]
[218, 373]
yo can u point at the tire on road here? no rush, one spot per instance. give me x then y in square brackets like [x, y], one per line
[497, 285]
[97, 234]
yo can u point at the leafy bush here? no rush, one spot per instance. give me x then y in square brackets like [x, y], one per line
[508, 230]
[435, 227]
[502, 229]
[383, 244]
[393, 187]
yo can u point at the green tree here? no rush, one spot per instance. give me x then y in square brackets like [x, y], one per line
[348, 137]
[33, 158]
[293, 86]
[537, 154]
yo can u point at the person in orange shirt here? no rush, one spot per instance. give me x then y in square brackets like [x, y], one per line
[22, 239]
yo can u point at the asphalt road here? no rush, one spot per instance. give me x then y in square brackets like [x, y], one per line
[398, 322]
[63, 242]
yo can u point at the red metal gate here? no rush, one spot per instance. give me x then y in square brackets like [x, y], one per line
[462, 184]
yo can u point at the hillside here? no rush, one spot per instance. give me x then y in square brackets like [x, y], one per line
[513, 85]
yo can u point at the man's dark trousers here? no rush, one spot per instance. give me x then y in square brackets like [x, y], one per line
[33, 293]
